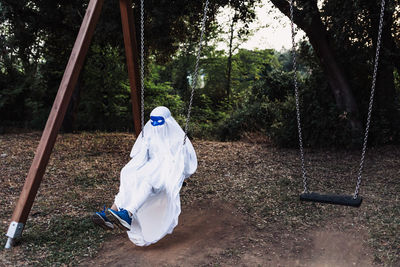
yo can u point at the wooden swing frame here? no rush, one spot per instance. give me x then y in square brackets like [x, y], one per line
[61, 102]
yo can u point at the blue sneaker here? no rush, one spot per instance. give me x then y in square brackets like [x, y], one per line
[100, 219]
[122, 218]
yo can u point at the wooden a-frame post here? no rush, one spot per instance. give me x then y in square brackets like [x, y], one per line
[61, 102]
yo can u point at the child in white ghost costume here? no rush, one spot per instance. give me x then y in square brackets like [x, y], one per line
[150, 182]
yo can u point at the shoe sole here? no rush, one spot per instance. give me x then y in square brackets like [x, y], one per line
[98, 220]
[118, 221]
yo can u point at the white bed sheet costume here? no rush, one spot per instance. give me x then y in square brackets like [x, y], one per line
[151, 181]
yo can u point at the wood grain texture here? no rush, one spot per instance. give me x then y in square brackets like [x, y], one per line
[57, 113]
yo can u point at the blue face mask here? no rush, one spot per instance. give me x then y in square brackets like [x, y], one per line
[157, 120]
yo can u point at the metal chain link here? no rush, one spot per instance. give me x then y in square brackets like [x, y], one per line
[196, 69]
[142, 64]
[371, 99]
[296, 90]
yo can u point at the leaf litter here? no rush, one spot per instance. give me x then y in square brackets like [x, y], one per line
[260, 181]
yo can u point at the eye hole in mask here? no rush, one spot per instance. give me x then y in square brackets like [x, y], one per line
[157, 120]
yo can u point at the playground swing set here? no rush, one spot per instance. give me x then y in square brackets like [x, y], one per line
[71, 74]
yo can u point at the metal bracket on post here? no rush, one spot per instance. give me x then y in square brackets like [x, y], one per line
[14, 231]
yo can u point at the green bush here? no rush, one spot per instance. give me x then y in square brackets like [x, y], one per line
[272, 110]
[105, 98]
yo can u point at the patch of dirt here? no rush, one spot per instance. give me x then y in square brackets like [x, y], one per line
[213, 232]
[204, 231]
[334, 248]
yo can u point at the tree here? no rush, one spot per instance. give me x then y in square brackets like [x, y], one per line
[37, 36]
[346, 26]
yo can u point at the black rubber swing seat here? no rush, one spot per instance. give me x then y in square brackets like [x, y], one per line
[345, 200]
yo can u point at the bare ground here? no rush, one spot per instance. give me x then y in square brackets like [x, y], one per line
[212, 233]
[240, 208]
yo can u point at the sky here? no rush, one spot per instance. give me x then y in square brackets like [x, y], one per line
[271, 29]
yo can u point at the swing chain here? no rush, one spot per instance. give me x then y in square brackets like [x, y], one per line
[296, 90]
[196, 69]
[371, 99]
[142, 64]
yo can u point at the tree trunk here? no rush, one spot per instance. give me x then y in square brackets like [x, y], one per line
[316, 31]
[337, 80]
[229, 67]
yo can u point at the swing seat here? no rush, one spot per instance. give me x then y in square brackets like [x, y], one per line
[345, 200]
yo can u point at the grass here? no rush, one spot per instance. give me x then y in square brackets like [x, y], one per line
[61, 240]
[261, 181]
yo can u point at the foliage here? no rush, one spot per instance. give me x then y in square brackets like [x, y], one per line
[161, 93]
[355, 48]
[37, 37]
[106, 103]
[105, 99]
[271, 108]
[343, 36]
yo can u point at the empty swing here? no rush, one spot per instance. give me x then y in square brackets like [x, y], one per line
[346, 200]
